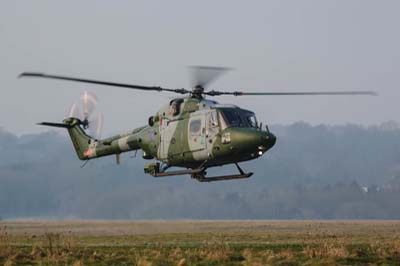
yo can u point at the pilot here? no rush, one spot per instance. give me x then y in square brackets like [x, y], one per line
[175, 106]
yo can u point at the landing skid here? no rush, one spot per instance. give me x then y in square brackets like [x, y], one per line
[181, 172]
[199, 173]
[202, 178]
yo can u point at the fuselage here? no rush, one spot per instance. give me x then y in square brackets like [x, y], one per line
[191, 132]
[188, 132]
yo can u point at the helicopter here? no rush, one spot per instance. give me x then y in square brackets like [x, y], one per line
[191, 132]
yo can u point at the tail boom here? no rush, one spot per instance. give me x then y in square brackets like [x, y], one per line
[87, 147]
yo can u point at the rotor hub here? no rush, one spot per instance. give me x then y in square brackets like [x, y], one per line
[198, 91]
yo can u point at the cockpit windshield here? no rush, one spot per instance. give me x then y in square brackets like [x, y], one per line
[236, 117]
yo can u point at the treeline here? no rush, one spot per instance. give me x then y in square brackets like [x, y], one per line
[339, 201]
[313, 172]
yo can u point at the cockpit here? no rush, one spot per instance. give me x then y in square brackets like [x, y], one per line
[236, 117]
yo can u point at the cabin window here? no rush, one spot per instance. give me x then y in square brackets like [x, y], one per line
[195, 127]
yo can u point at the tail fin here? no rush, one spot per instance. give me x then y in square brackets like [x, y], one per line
[80, 139]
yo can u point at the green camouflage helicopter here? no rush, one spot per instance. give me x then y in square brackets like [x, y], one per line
[190, 132]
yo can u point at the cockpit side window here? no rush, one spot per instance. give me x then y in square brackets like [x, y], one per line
[251, 119]
[233, 118]
[236, 117]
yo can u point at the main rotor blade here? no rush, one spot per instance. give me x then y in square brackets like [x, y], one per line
[106, 83]
[240, 93]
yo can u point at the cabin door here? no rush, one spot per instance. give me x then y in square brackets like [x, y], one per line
[197, 132]
[167, 133]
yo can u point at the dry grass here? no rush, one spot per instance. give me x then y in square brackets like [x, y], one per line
[326, 249]
[191, 243]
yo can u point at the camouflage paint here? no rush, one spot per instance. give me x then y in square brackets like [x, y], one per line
[172, 140]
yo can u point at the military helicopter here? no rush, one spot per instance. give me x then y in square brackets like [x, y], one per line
[190, 132]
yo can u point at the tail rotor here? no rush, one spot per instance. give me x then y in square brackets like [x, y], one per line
[85, 109]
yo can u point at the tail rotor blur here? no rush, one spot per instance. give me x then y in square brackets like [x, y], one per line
[85, 109]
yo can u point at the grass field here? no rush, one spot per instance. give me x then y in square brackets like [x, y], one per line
[183, 243]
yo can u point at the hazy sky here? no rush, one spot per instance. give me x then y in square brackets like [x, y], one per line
[272, 45]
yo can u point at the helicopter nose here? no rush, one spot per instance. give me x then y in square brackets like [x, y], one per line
[252, 141]
[268, 141]
[271, 140]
